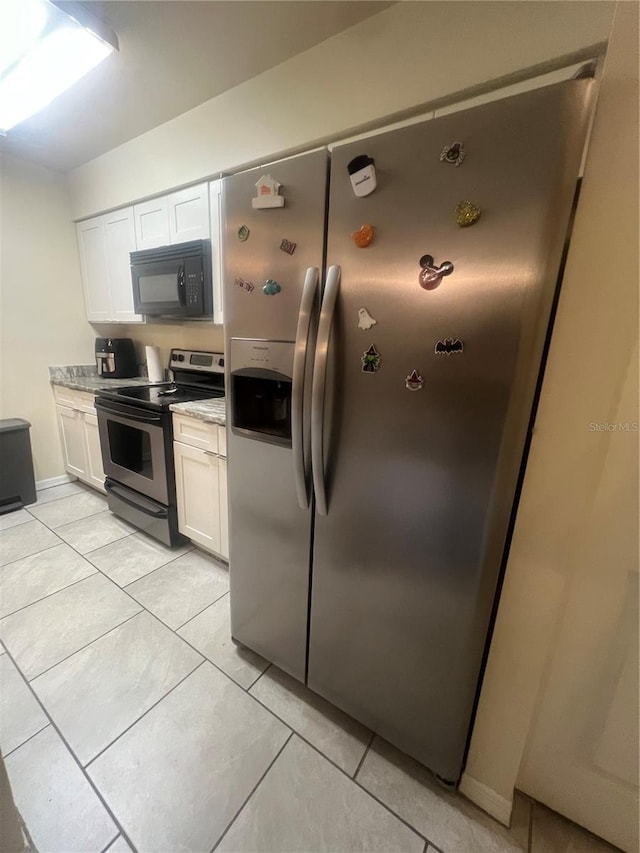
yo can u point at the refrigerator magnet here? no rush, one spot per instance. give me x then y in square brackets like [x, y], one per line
[363, 236]
[453, 153]
[288, 247]
[414, 381]
[448, 346]
[268, 193]
[467, 213]
[249, 286]
[365, 320]
[430, 276]
[370, 360]
[362, 173]
[243, 233]
[271, 287]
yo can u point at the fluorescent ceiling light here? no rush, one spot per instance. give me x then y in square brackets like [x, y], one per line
[22, 22]
[43, 67]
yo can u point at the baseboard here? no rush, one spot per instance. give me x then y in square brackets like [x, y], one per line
[486, 798]
[54, 481]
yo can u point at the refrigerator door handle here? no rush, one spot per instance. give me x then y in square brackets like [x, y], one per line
[307, 302]
[332, 285]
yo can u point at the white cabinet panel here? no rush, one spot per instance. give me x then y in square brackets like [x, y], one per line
[224, 510]
[120, 240]
[93, 262]
[189, 214]
[94, 472]
[152, 223]
[71, 426]
[215, 234]
[198, 495]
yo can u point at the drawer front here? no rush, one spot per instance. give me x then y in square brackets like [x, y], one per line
[86, 402]
[222, 441]
[195, 433]
[66, 397]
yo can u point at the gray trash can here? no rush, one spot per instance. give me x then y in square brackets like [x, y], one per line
[17, 483]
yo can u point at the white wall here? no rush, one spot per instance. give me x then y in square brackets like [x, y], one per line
[561, 683]
[411, 55]
[42, 318]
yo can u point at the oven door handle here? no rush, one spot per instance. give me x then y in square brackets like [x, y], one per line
[112, 488]
[112, 410]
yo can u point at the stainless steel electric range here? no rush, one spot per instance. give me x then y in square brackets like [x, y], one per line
[136, 438]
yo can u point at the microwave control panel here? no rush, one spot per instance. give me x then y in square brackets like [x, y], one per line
[194, 283]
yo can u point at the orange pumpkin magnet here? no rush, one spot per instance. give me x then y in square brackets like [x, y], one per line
[363, 236]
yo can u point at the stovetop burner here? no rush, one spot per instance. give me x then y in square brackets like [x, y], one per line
[162, 396]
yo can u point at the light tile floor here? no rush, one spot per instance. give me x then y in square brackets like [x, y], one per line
[129, 720]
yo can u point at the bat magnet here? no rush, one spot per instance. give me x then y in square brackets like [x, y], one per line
[414, 381]
[363, 236]
[249, 286]
[370, 360]
[288, 247]
[453, 153]
[430, 276]
[365, 320]
[448, 346]
[271, 287]
[467, 213]
[243, 233]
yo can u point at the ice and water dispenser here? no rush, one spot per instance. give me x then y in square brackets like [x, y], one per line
[261, 381]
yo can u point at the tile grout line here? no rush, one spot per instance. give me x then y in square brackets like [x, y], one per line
[253, 683]
[74, 758]
[82, 518]
[253, 790]
[144, 714]
[150, 572]
[364, 755]
[35, 553]
[110, 844]
[200, 612]
[11, 751]
[49, 594]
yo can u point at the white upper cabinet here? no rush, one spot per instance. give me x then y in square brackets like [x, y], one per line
[188, 214]
[152, 223]
[104, 243]
[120, 240]
[93, 262]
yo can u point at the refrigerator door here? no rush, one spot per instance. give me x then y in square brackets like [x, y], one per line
[420, 470]
[269, 340]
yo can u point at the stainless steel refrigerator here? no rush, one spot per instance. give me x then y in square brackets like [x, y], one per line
[386, 310]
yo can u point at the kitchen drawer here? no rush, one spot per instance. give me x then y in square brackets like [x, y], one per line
[195, 433]
[222, 441]
[67, 397]
[86, 402]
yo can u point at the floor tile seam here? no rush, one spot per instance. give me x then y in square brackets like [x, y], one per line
[191, 618]
[163, 566]
[110, 844]
[61, 498]
[74, 758]
[83, 518]
[364, 755]
[19, 524]
[135, 532]
[26, 556]
[26, 740]
[211, 603]
[64, 541]
[82, 648]
[253, 683]
[144, 714]
[253, 791]
[49, 594]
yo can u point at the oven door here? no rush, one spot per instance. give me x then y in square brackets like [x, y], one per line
[133, 447]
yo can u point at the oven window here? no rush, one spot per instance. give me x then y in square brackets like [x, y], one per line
[130, 448]
[158, 288]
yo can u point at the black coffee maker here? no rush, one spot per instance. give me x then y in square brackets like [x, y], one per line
[116, 358]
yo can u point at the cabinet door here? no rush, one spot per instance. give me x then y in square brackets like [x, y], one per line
[94, 472]
[224, 510]
[215, 210]
[120, 239]
[152, 223]
[198, 495]
[71, 429]
[93, 262]
[189, 214]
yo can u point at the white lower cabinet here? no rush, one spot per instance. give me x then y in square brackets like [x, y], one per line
[79, 437]
[201, 484]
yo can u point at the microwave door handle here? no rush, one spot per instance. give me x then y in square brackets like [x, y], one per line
[182, 296]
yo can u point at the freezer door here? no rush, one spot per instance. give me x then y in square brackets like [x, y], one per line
[420, 471]
[269, 342]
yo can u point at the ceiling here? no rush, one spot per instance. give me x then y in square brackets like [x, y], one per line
[174, 55]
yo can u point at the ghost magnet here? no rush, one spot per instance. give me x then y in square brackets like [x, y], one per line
[362, 172]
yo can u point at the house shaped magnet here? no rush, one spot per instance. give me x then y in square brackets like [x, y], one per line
[268, 193]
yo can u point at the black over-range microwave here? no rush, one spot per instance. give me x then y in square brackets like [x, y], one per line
[173, 281]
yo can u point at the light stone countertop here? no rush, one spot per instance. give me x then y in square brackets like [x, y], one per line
[212, 411]
[84, 377]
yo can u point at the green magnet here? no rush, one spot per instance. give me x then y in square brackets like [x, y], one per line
[243, 233]
[271, 287]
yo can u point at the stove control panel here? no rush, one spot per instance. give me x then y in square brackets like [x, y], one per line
[204, 362]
